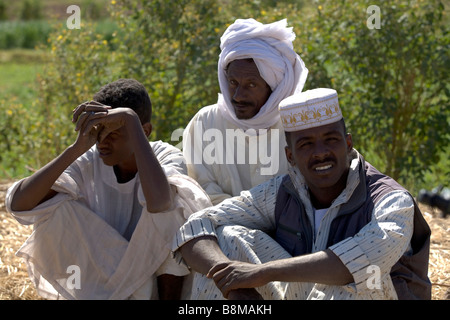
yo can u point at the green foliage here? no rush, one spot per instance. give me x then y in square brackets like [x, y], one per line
[172, 48]
[392, 81]
[3, 13]
[23, 34]
[72, 79]
[31, 10]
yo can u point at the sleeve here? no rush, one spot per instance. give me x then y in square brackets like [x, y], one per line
[170, 158]
[39, 213]
[67, 185]
[382, 241]
[252, 209]
[197, 168]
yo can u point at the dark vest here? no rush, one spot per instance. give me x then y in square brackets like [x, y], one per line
[294, 232]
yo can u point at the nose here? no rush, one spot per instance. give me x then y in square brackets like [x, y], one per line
[239, 94]
[321, 151]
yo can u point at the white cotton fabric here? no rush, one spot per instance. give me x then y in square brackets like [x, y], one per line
[270, 46]
[102, 228]
[390, 230]
[226, 176]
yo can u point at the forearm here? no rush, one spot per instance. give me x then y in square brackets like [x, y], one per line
[320, 267]
[202, 253]
[155, 186]
[34, 189]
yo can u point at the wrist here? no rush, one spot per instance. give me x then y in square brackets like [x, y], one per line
[76, 150]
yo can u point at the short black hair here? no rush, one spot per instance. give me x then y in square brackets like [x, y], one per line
[126, 93]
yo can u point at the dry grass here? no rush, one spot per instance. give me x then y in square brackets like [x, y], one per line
[14, 281]
[15, 284]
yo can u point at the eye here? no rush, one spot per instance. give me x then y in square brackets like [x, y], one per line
[332, 139]
[303, 145]
[114, 135]
[233, 83]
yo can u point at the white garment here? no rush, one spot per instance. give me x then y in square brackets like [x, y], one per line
[225, 175]
[389, 231]
[318, 216]
[271, 48]
[102, 229]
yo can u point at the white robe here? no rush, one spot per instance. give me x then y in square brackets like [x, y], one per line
[95, 240]
[213, 146]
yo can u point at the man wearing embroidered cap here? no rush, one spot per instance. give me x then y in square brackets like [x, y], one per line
[238, 142]
[339, 229]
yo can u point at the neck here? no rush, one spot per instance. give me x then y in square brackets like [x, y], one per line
[125, 172]
[324, 197]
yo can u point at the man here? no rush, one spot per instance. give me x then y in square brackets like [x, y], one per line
[105, 210]
[340, 228]
[238, 143]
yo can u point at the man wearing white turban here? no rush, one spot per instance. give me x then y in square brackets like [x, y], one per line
[238, 142]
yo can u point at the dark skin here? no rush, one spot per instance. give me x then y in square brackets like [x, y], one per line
[322, 155]
[248, 90]
[122, 142]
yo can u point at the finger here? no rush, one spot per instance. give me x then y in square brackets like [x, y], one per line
[96, 107]
[88, 106]
[88, 116]
[227, 285]
[215, 269]
[78, 111]
[94, 120]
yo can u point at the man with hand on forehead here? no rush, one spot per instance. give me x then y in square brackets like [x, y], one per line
[106, 209]
[332, 228]
[238, 142]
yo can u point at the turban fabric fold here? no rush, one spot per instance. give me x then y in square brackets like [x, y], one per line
[271, 48]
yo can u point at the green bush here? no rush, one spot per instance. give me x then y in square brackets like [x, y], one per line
[31, 10]
[23, 34]
[392, 82]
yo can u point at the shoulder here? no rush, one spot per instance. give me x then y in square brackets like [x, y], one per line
[267, 189]
[208, 115]
[161, 146]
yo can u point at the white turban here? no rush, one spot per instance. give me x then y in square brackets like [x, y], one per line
[270, 46]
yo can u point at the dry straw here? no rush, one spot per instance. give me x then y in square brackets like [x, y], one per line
[15, 284]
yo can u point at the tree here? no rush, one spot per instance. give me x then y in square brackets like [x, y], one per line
[392, 81]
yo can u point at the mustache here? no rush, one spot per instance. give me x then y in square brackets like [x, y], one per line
[318, 162]
[242, 103]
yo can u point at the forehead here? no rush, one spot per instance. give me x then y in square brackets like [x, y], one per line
[325, 130]
[243, 68]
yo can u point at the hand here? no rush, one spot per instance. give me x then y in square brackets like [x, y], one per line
[85, 115]
[97, 120]
[234, 275]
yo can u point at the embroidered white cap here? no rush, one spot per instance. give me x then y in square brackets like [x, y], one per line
[309, 109]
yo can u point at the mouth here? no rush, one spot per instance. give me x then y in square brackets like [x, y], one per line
[323, 168]
[104, 152]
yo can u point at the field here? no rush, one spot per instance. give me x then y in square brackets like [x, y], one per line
[15, 284]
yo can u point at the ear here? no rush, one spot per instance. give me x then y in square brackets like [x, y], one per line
[147, 128]
[349, 141]
[289, 156]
